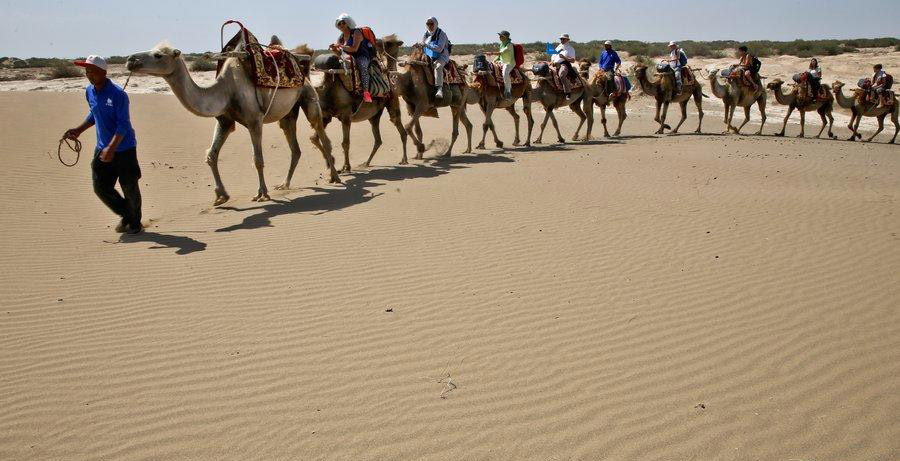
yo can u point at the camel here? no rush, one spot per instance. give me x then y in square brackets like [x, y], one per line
[347, 108]
[859, 110]
[418, 94]
[735, 94]
[233, 98]
[596, 94]
[790, 99]
[486, 92]
[546, 94]
[662, 90]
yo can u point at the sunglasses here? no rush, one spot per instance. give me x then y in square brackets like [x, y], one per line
[342, 23]
[429, 23]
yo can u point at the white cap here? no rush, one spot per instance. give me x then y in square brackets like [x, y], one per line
[93, 60]
[564, 36]
[673, 44]
[607, 42]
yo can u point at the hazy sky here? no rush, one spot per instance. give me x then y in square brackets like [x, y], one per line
[74, 28]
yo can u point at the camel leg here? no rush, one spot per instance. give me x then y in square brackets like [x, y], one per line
[224, 127]
[584, 117]
[394, 114]
[255, 129]
[880, 127]
[620, 111]
[830, 124]
[824, 123]
[683, 106]
[410, 130]
[529, 118]
[856, 133]
[603, 120]
[746, 120]
[850, 125]
[662, 118]
[729, 111]
[894, 119]
[786, 118]
[540, 138]
[375, 121]
[559, 136]
[698, 101]
[802, 124]
[320, 138]
[289, 127]
[464, 118]
[419, 131]
[581, 115]
[345, 144]
[455, 133]
[761, 103]
[488, 125]
[517, 141]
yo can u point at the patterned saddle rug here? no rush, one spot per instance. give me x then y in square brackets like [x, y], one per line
[379, 83]
[269, 67]
[804, 94]
[452, 74]
[869, 97]
[556, 82]
[495, 78]
[601, 80]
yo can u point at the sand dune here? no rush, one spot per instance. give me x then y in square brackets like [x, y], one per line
[687, 297]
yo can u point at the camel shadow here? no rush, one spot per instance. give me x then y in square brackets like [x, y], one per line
[356, 190]
[544, 147]
[183, 245]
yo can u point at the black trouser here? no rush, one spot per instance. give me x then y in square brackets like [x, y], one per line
[125, 169]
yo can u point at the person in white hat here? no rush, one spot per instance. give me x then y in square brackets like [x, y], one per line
[677, 60]
[563, 59]
[115, 157]
[610, 62]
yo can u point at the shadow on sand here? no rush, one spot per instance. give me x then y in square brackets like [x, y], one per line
[182, 245]
[356, 190]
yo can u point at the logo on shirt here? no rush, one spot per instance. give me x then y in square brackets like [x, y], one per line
[109, 102]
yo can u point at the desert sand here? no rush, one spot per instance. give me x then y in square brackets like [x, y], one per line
[641, 298]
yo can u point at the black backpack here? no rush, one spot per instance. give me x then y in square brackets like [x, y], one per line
[756, 65]
[481, 63]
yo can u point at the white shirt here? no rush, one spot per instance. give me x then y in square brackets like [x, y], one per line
[563, 53]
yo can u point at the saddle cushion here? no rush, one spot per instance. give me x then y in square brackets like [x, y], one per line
[555, 81]
[495, 77]
[452, 74]
[272, 67]
[379, 83]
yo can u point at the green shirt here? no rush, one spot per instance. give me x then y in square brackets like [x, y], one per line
[506, 53]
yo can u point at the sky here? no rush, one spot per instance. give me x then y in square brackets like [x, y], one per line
[61, 28]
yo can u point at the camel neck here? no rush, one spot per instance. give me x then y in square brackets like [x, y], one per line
[783, 98]
[208, 101]
[717, 88]
[842, 100]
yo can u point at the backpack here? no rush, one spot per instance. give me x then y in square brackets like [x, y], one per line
[682, 58]
[756, 65]
[481, 63]
[369, 35]
[519, 52]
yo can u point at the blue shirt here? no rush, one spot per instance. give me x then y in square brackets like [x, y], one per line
[608, 60]
[109, 113]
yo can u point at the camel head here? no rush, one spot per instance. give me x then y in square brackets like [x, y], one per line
[640, 71]
[391, 44]
[584, 65]
[837, 85]
[775, 84]
[712, 74]
[161, 61]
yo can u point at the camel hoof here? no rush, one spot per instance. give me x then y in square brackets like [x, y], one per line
[261, 198]
[517, 143]
[480, 146]
[528, 144]
[420, 149]
[561, 141]
[779, 134]
[499, 145]
[284, 186]
[404, 162]
[575, 138]
[418, 157]
[221, 200]
[800, 136]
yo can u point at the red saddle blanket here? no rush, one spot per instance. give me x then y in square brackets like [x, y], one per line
[495, 78]
[452, 74]
[269, 67]
[556, 81]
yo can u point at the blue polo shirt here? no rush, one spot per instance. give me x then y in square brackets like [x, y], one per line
[109, 113]
[608, 60]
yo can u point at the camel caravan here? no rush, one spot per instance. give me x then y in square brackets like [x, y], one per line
[366, 76]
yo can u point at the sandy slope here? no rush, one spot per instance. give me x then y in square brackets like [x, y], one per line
[690, 297]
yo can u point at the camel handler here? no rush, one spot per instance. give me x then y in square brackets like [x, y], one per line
[115, 157]
[352, 42]
[677, 60]
[563, 59]
[610, 63]
[437, 47]
[507, 59]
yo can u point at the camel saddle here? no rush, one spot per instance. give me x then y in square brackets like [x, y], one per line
[495, 77]
[452, 74]
[804, 94]
[556, 83]
[379, 83]
[738, 74]
[601, 80]
[869, 97]
[269, 67]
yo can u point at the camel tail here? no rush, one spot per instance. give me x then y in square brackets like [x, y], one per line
[705, 95]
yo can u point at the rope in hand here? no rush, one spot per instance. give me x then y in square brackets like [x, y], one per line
[74, 148]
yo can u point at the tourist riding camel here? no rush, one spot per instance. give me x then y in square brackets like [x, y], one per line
[662, 88]
[597, 91]
[486, 89]
[609, 62]
[749, 67]
[562, 61]
[861, 105]
[810, 81]
[341, 99]
[804, 100]
[506, 59]
[357, 46]
[437, 47]
[737, 93]
[881, 85]
[677, 61]
[239, 96]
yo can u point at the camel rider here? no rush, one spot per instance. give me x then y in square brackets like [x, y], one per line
[814, 78]
[115, 157]
[746, 67]
[881, 83]
[352, 42]
[437, 47]
[563, 59]
[677, 60]
[610, 62]
[507, 59]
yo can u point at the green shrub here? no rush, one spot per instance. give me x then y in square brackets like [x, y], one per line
[64, 71]
[202, 65]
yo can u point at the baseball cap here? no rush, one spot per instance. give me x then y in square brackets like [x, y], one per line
[607, 42]
[564, 36]
[93, 60]
[503, 33]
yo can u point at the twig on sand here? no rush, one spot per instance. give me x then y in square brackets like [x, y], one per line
[448, 386]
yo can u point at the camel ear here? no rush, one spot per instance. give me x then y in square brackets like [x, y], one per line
[176, 53]
[399, 42]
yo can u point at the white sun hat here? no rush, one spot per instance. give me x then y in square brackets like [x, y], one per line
[93, 60]
[607, 42]
[673, 44]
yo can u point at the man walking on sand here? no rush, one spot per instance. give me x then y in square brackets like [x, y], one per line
[115, 157]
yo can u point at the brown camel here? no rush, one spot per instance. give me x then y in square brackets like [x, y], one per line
[486, 91]
[735, 94]
[339, 103]
[233, 98]
[595, 93]
[861, 109]
[551, 98]
[418, 94]
[793, 101]
[662, 90]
